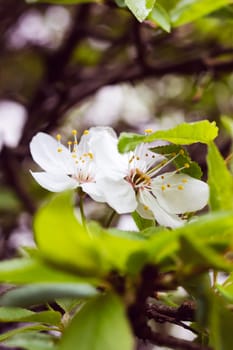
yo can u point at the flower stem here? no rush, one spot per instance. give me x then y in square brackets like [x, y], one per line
[83, 217]
[81, 207]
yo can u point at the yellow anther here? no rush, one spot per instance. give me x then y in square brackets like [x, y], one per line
[74, 132]
[184, 180]
[59, 149]
[148, 131]
[76, 162]
[83, 161]
[74, 156]
[138, 158]
[85, 132]
[131, 159]
[181, 152]
[180, 187]
[145, 207]
[58, 137]
[163, 187]
[69, 143]
[75, 142]
[187, 165]
[90, 155]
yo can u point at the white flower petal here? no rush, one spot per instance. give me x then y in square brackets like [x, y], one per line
[161, 216]
[44, 152]
[54, 183]
[119, 195]
[93, 190]
[144, 211]
[184, 193]
[108, 160]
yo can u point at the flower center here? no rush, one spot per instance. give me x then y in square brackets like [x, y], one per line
[138, 179]
[81, 156]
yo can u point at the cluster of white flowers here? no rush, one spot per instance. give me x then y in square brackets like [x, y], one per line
[127, 182]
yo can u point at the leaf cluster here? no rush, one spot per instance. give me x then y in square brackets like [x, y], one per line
[100, 279]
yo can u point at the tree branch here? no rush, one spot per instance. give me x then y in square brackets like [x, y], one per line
[49, 94]
[10, 168]
[169, 341]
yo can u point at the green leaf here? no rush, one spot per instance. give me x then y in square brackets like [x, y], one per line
[120, 3]
[228, 124]
[140, 8]
[220, 181]
[182, 134]
[68, 304]
[63, 240]
[25, 329]
[141, 222]
[227, 288]
[182, 158]
[187, 11]
[100, 324]
[65, 243]
[31, 341]
[221, 320]
[26, 270]
[195, 253]
[41, 293]
[160, 17]
[117, 246]
[17, 314]
[210, 228]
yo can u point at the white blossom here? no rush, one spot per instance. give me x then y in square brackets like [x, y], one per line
[66, 167]
[134, 181]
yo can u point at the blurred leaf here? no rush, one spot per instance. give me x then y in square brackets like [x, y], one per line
[63, 240]
[221, 320]
[140, 8]
[87, 54]
[199, 286]
[227, 121]
[41, 293]
[182, 134]
[196, 253]
[8, 200]
[21, 330]
[141, 222]
[220, 181]
[31, 341]
[182, 158]
[116, 247]
[227, 288]
[27, 270]
[120, 3]
[208, 228]
[160, 17]
[100, 324]
[68, 304]
[187, 11]
[17, 314]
